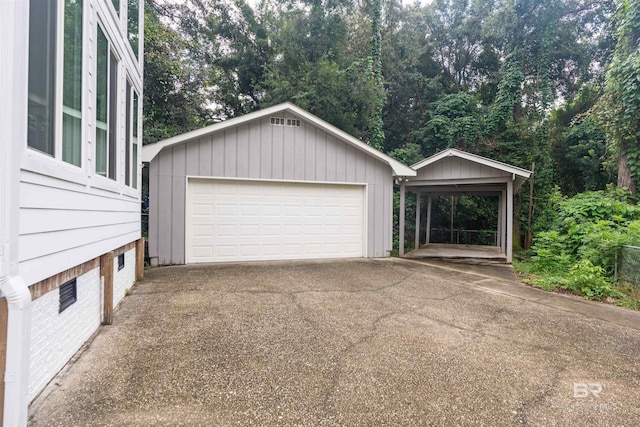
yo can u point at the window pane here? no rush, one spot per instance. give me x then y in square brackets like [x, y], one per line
[101, 147]
[116, 4]
[72, 85]
[102, 86]
[135, 163]
[42, 31]
[113, 115]
[136, 112]
[133, 25]
[71, 139]
[127, 142]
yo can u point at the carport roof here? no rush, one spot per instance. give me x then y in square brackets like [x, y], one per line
[518, 175]
[149, 152]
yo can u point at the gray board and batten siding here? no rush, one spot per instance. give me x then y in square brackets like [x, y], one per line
[256, 149]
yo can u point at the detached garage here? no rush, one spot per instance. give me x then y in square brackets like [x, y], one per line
[275, 184]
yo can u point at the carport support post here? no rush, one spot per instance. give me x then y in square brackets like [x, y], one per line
[428, 238]
[509, 221]
[417, 240]
[401, 220]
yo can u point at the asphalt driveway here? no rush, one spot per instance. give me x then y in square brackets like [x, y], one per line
[355, 343]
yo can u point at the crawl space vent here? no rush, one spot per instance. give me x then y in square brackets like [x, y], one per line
[68, 295]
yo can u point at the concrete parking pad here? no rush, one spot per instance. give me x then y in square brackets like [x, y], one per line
[355, 343]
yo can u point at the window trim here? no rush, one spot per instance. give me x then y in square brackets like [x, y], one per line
[132, 140]
[128, 138]
[137, 55]
[136, 139]
[82, 113]
[111, 113]
[58, 94]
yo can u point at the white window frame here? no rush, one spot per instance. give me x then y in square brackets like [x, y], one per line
[33, 157]
[118, 113]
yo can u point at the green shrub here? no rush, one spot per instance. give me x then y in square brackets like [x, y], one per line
[591, 225]
[549, 283]
[601, 241]
[550, 253]
[587, 279]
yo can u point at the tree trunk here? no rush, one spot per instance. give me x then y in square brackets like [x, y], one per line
[625, 180]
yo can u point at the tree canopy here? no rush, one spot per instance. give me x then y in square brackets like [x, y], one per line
[553, 82]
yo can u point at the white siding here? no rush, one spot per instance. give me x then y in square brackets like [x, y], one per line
[61, 227]
[70, 215]
[56, 337]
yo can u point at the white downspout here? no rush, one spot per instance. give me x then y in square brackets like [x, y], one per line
[14, 24]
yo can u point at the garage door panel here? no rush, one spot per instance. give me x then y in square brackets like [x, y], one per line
[250, 210]
[202, 251]
[253, 220]
[204, 231]
[202, 209]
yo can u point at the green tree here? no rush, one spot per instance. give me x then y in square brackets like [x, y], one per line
[619, 109]
[174, 100]
[578, 146]
[377, 133]
[230, 48]
[453, 121]
[316, 66]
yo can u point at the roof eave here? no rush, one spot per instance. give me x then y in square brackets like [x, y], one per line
[149, 152]
[452, 152]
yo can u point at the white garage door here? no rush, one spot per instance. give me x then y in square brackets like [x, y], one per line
[230, 220]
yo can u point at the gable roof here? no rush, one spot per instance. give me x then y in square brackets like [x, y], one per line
[149, 152]
[519, 174]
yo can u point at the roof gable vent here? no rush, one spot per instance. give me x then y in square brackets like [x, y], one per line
[281, 121]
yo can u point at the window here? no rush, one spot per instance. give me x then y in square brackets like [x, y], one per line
[42, 31]
[131, 150]
[129, 136]
[133, 25]
[136, 114]
[106, 108]
[120, 261]
[72, 85]
[42, 66]
[44, 112]
[68, 295]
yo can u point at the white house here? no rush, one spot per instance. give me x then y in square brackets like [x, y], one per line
[70, 121]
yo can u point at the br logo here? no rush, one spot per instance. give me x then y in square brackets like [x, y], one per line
[583, 390]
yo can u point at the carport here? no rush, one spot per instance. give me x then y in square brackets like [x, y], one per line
[452, 173]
